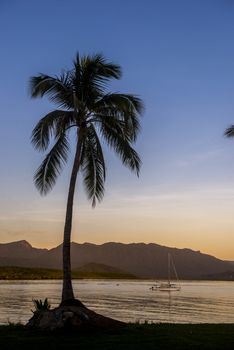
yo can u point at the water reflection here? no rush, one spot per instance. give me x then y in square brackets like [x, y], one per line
[131, 301]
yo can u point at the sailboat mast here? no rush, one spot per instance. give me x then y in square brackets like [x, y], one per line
[174, 268]
[168, 267]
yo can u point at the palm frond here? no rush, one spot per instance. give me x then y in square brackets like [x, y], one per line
[76, 75]
[229, 132]
[123, 107]
[93, 166]
[123, 102]
[58, 89]
[53, 124]
[47, 173]
[90, 75]
[99, 68]
[116, 138]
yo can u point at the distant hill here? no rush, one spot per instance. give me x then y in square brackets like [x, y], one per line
[93, 270]
[101, 270]
[94, 267]
[223, 276]
[19, 253]
[139, 259]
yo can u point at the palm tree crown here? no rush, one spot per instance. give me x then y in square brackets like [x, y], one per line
[96, 115]
[85, 104]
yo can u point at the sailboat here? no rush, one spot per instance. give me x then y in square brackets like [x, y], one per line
[168, 286]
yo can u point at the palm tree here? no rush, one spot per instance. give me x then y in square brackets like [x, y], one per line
[96, 115]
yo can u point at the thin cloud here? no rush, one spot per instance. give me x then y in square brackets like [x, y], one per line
[198, 158]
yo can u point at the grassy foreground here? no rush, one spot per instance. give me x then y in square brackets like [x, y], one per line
[142, 337]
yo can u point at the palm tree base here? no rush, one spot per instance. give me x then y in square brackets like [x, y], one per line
[72, 302]
[72, 318]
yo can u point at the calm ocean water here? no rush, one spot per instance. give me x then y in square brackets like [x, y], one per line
[131, 301]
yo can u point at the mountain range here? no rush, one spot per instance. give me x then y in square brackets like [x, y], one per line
[139, 259]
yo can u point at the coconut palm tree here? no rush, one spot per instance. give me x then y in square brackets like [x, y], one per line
[97, 116]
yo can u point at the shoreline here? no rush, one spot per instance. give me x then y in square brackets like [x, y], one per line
[18, 273]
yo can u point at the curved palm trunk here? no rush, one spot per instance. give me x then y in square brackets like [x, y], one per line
[67, 292]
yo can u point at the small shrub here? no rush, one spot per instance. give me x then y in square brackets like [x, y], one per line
[41, 305]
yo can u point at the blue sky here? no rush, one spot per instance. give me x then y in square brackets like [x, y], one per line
[178, 55]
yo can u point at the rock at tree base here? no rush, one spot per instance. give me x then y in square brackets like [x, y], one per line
[72, 302]
[72, 318]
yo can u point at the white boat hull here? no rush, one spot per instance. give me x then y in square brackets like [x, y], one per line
[165, 289]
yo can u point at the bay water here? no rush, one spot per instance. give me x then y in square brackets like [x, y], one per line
[126, 300]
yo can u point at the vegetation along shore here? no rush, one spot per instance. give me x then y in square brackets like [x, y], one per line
[88, 271]
[92, 271]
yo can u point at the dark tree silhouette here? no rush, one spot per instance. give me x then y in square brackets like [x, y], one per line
[96, 115]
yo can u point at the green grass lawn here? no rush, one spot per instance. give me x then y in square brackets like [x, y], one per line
[144, 337]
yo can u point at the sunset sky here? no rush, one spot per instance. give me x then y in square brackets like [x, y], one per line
[178, 55]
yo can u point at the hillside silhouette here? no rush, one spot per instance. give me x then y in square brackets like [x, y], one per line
[139, 259]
